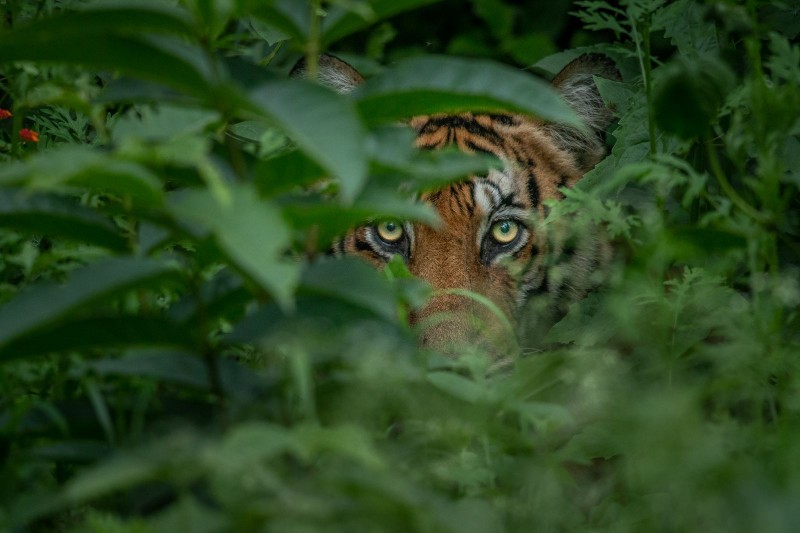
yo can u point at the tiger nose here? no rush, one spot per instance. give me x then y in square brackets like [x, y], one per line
[444, 319]
[452, 325]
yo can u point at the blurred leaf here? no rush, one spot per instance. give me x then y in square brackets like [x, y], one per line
[688, 96]
[251, 232]
[184, 368]
[431, 84]
[315, 316]
[341, 23]
[161, 123]
[187, 514]
[375, 202]
[392, 148]
[344, 440]
[460, 387]
[89, 168]
[353, 281]
[324, 124]
[45, 306]
[59, 217]
[287, 17]
[73, 334]
[169, 61]
[687, 243]
[269, 176]
[100, 17]
[685, 23]
[251, 443]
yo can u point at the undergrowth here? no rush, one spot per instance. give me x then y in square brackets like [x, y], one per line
[177, 354]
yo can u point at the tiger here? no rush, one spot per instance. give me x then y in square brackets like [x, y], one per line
[488, 243]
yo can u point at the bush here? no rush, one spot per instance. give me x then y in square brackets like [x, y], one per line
[177, 354]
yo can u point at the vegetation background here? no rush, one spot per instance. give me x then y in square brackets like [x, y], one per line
[175, 354]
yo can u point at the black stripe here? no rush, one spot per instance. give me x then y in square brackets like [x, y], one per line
[533, 190]
[363, 246]
[472, 146]
[504, 120]
[457, 122]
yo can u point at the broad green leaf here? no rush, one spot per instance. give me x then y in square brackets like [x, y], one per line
[375, 202]
[460, 387]
[324, 124]
[400, 164]
[352, 281]
[284, 17]
[166, 61]
[347, 441]
[270, 33]
[322, 315]
[687, 25]
[250, 231]
[341, 22]
[185, 368]
[59, 217]
[285, 173]
[688, 95]
[163, 122]
[75, 334]
[187, 514]
[86, 167]
[437, 84]
[251, 443]
[545, 417]
[44, 305]
[132, 17]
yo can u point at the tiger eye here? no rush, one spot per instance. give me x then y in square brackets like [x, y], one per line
[390, 231]
[504, 231]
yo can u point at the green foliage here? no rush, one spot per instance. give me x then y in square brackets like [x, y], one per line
[176, 355]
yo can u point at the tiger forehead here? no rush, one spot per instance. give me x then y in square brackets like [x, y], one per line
[467, 121]
[455, 203]
[477, 197]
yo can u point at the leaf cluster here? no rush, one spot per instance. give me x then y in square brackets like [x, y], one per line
[178, 353]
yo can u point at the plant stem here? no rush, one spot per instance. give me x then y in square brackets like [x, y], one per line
[733, 196]
[648, 87]
[313, 46]
[646, 68]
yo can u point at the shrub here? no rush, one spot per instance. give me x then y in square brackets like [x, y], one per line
[175, 352]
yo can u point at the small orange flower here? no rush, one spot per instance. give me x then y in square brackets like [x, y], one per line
[28, 135]
[5, 113]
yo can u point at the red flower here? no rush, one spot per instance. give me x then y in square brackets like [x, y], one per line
[5, 113]
[28, 135]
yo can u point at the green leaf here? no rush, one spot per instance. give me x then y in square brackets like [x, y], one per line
[341, 22]
[460, 387]
[97, 333]
[44, 306]
[168, 61]
[89, 168]
[686, 24]
[58, 217]
[353, 281]
[375, 202]
[287, 17]
[185, 368]
[688, 95]
[324, 124]
[436, 84]
[161, 123]
[133, 17]
[251, 233]
[286, 172]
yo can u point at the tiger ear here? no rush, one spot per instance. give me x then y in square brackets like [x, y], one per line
[576, 84]
[331, 71]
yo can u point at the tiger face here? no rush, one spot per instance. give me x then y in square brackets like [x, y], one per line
[487, 242]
